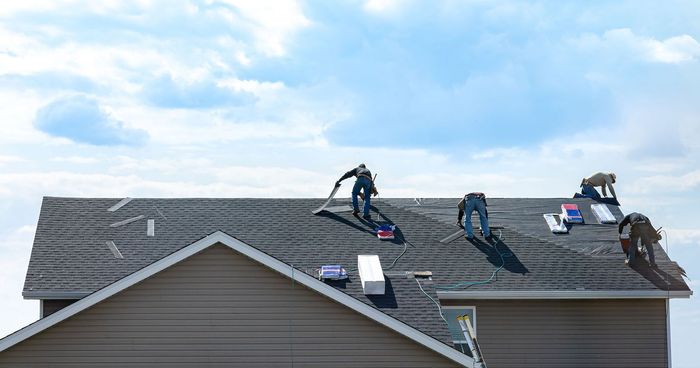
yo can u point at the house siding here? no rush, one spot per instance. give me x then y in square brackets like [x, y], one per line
[219, 309]
[571, 333]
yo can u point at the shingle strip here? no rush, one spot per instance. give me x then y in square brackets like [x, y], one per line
[114, 249]
[120, 204]
[127, 221]
[151, 227]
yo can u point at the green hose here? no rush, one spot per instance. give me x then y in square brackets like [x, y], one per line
[467, 284]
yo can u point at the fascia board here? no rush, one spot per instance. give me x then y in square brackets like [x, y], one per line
[54, 294]
[566, 294]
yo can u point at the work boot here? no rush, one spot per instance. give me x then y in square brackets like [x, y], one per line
[355, 212]
[367, 217]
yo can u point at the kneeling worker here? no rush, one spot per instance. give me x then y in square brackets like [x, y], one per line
[601, 180]
[470, 202]
[640, 228]
[363, 182]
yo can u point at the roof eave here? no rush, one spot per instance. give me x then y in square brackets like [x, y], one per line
[565, 294]
[39, 295]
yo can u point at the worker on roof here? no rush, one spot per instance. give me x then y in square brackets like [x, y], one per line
[599, 179]
[640, 228]
[363, 182]
[470, 202]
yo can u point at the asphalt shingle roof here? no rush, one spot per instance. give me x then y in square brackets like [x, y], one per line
[70, 254]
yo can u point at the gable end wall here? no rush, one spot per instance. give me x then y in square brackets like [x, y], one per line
[219, 309]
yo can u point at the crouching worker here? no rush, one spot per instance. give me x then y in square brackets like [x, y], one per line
[602, 180]
[362, 183]
[640, 228]
[471, 202]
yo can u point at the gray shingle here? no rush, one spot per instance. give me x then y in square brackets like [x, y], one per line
[69, 253]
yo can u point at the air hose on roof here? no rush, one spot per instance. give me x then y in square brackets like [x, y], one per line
[433, 300]
[467, 284]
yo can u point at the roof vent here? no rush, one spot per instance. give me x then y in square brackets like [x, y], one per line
[371, 274]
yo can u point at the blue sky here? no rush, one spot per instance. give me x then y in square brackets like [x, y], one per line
[276, 99]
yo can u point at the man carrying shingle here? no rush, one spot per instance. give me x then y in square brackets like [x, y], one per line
[640, 228]
[363, 182]
[471, 202]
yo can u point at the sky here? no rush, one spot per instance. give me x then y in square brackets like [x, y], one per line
[251, 98]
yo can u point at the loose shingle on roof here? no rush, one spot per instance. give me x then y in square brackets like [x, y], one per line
[69, 253]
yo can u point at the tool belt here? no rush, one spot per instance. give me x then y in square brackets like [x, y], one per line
[365, 176]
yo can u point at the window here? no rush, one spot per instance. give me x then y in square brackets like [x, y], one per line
[451, 313]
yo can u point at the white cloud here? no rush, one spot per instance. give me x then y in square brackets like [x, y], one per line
[15, 248]
[674, 50]
[83, 120]
[383, 6]
[273, 22]
[666, 183]
[79, 160]
[624, 42]
[252, 86]
[684, 237]
[99, 7]
[4, 159]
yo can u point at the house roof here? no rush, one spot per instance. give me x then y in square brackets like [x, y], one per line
[70, 254]
[70, 257]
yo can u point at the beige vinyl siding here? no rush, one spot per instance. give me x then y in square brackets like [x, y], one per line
[219, 309]
[571, 333]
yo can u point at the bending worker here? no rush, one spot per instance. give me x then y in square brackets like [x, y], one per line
[363, 182]
[470, 202]
[640, 228]
[600, 179]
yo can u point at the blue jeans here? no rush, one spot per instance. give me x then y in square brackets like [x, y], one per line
[589, 191]
[469, 206]
[360, 184]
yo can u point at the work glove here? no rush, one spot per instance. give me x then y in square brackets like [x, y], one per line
[374, 191]
[337, 184]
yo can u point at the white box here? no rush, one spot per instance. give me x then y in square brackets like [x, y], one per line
[371, 274]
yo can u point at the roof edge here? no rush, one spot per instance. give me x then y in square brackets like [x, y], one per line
[566, 294]
[54, 294]
[258, 256]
